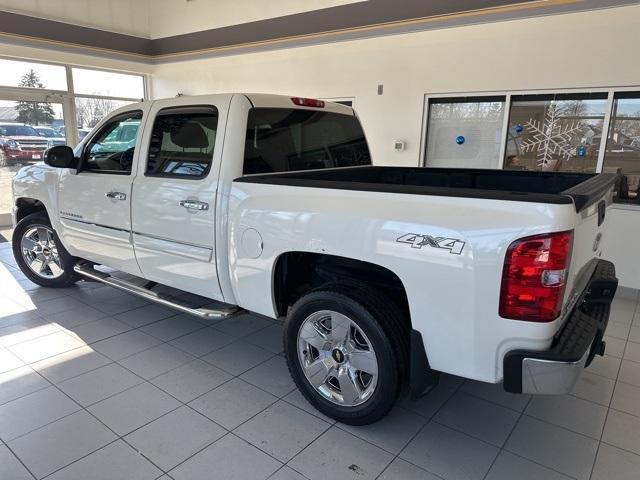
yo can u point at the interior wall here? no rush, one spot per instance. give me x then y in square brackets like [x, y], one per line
[577, 50]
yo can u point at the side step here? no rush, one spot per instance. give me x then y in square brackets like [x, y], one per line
[88, 271]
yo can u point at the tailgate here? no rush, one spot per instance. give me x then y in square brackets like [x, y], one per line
[592, 199]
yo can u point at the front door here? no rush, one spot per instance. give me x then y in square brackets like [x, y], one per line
[173, 208]
[95, 202]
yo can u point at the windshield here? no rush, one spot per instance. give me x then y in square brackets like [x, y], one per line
[287, 139]
[18, 130]
[46, 132]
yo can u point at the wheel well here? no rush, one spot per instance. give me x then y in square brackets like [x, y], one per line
[27, 206]
[297, 273]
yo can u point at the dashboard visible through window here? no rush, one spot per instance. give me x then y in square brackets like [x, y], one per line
[182, 142]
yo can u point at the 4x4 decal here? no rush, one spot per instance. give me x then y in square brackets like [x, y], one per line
[454, 245]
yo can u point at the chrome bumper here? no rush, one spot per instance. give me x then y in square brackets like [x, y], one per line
[556, 371]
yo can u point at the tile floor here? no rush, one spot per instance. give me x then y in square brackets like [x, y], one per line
[96, 384]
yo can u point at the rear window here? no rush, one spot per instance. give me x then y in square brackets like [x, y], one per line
[18, 130]
[284, 139]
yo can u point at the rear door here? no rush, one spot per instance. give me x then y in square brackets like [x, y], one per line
[173, 207]
[95, 202]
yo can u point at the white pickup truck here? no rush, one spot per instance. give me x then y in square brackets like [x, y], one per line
[385, 276]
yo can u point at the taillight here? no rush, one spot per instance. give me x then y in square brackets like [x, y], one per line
[534, 275]
[308, 102]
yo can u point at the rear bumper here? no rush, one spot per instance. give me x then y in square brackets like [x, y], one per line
[555, 371]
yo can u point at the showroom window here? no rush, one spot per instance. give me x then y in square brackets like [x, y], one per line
[465, 131]
[182, 142]
[555, 133]
[622, 153]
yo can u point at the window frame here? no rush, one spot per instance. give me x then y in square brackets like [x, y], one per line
[185, 109]
[95, 134]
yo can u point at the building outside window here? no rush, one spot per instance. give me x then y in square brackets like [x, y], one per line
[622, 152]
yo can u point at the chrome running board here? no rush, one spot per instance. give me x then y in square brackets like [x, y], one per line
[88, 271]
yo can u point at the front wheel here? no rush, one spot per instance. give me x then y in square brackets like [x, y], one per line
[39, 253]
[345, 353]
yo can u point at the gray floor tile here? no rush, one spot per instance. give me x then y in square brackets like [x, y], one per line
[622, 309]
[392, 433]
[282, 430]
[594, 388]
[622, 430]
[70, 364]
[431, 402]
[613, 463]
[242, 325]
[10, 466]
[630, 373]
[76, 316]
[399, 469]
[632, 352]
[615, 346]
[8, 361]
[156, 361]
[477, 417]
[56, 305]
[272, 376]
[133, 408]
[33, 411]
[230, 458]
[496, 393]
[509, 467]
[44, 347]
[145, 315]
[450, 454]
[269, 338]
[99, 329]
[296, 399]
[201, 342]
[569, 412]
[174, 437]
[116, 461]
[58, 444]
[634, 332]
[19, 382]
[125, 344]
[286, 473]
[627, 398]
[559, 449]
[238, 357]
[618, 330]
[233, 403]
[25, 331]
[96, 385]
[191, 380]
[116, 304]
[606, 366]
[338, 454]
[173, 327]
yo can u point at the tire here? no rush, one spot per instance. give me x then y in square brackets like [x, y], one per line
[47, 254]
[375, 327]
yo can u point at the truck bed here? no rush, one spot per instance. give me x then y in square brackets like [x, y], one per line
[581, 189]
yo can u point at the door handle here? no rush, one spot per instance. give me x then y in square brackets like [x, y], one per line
[116, 195]
[194, 205]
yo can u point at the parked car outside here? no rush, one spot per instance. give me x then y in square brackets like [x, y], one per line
[20, 142]
[53, 137]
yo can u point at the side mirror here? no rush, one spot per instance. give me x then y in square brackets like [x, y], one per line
[60, 156]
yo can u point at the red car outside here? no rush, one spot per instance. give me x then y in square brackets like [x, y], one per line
[21, 142]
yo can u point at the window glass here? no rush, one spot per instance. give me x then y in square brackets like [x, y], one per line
[182, 142]
[622, 152]
[465, 133]
[89, 112]
[284, 139]
[112, 149]
[32, 75]
[555, 133]
[99, 82]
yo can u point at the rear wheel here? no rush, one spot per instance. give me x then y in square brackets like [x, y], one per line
[39, 253]
[345, 353]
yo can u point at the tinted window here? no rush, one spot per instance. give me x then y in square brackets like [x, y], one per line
[283, 139]
[18, 130]
[182, 142]
[111, 149]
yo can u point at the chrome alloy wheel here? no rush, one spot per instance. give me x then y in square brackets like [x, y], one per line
[40, 252]
[337, 358]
